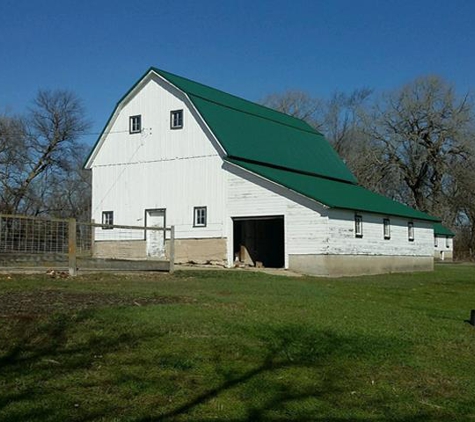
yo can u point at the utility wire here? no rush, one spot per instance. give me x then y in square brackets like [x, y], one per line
[19, 132]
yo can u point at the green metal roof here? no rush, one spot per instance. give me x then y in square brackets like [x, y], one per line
[281, 148]
[220, 97]
[441, 230]
[254, 132]
[333, 193]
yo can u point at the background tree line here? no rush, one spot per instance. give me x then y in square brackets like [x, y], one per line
[41, 158]
[415, 145]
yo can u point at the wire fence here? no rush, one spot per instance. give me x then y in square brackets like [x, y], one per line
[67, 239]
[33, 236]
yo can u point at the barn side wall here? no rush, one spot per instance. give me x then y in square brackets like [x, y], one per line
[443, 248]
[322, 241]
[305, 222]
[343, 240]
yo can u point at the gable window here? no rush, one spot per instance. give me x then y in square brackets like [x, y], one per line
[199, 217]
[410, 231]
[387, 228]
[358, 226]
[176, 119]
[135, 124]
[107, 219]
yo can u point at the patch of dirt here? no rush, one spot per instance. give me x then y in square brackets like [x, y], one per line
[42, 302]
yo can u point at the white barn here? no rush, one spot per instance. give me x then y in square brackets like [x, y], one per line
[443, 243]
[242, 182]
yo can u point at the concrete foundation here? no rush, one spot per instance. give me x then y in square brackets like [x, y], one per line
[124, 249]
[443, 255]
[200, 251]
[354, 265]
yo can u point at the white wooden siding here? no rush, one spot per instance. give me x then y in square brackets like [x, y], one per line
[441, 244]
[342, 240]
[306, 229]
[159, 168]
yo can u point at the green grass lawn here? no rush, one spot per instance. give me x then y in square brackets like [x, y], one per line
[237, 345]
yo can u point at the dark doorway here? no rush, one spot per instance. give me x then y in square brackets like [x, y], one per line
[259, 241]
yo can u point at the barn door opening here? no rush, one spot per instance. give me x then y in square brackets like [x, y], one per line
[259, 241]
[155, 238]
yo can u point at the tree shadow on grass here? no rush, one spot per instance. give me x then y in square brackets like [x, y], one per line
[41, 349]
[298, 347]
[48, 339]
[288, 351]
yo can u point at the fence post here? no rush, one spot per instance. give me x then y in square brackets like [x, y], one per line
[93, 237]
[72, 247]
[172, 249]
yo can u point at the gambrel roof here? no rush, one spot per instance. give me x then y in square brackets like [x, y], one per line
[280, 148]
[253, 132]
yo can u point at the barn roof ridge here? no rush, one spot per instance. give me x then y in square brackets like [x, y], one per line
[272, 114]
[257, 133]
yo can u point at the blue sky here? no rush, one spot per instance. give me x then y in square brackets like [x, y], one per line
[98, 49]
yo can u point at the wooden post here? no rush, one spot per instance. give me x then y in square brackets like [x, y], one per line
[172, 249]
[93, 237]
[72, 247]
[472, 317]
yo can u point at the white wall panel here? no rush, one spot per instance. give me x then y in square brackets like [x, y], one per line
[444, 244]
[306, 229]
[159, 168]
[344, 241]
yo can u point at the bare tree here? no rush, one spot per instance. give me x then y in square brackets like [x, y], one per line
[425, 131]
[39, 151]
[341, 118]
[462, 208]
[298, 104]
[13, 150]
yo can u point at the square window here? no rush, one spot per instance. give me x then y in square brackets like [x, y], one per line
[358, 226]
[176, 119]
[387, 228]
[199, 217]
[410, 231]
[107, 219]
[135, 124]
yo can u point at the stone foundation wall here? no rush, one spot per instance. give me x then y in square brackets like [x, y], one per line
[354, 265]
[200, 251]
[124, 249]
[447, 255]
